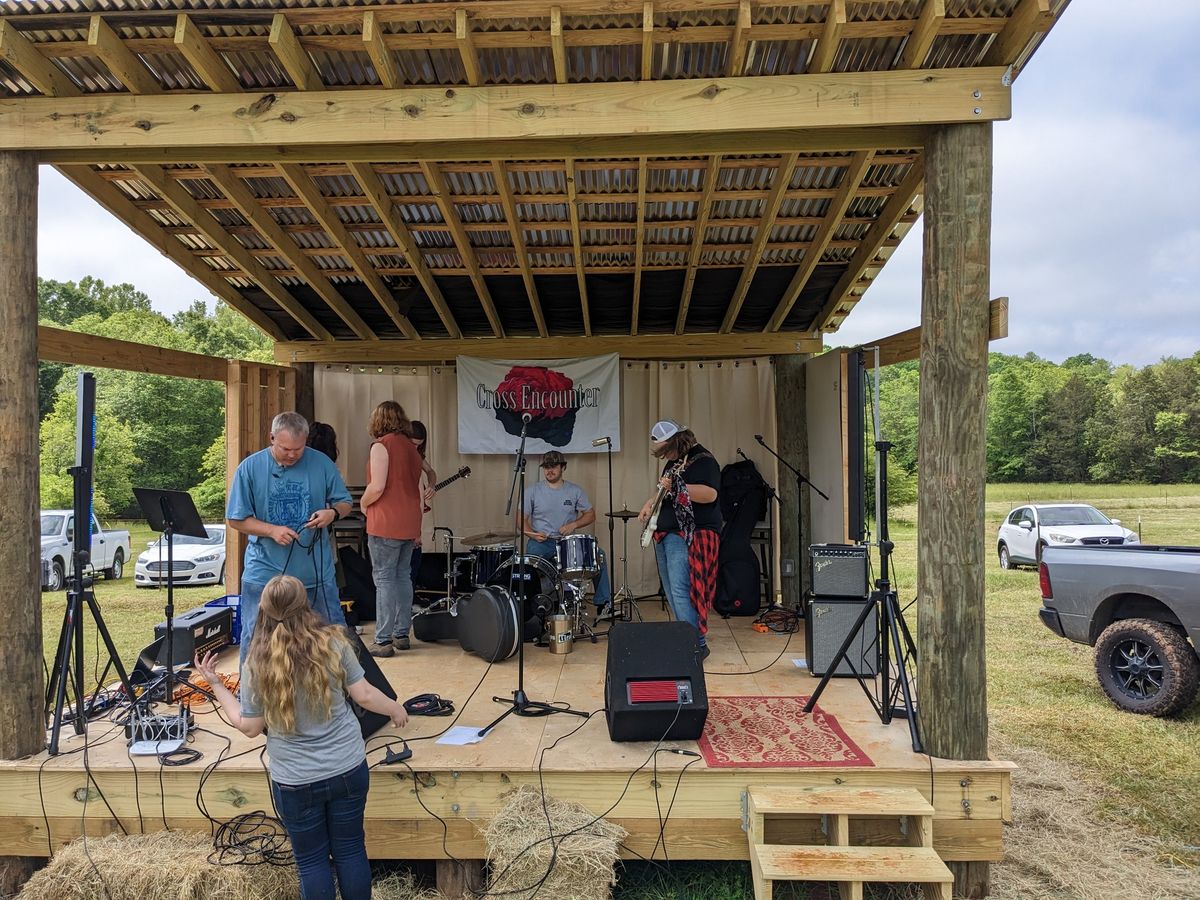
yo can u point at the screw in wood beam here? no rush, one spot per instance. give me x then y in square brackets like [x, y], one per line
[647, 40]
[23, 55]
[190, 41]
[826, 51]
[741, 41]
[381, 55]
[699, 229]
[124, 64]
[577, 244]
[293, 57]
[466, 46]
[500, 175]
[639, 249]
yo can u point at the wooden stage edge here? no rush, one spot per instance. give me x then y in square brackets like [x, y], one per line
[465, 786]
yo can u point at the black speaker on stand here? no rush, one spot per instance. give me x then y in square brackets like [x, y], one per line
[654, 682]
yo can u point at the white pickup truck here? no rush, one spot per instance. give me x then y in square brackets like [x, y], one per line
[110, 549]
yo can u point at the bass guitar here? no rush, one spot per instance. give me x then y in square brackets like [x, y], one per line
[652, 522]
[464, 472]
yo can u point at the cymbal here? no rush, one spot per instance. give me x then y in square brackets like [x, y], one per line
[486, 537]
[623, 514]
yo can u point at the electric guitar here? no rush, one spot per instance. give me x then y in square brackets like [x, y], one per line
[464, 472]
[652, 522]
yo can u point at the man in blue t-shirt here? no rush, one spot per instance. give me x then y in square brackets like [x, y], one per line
[284, 499]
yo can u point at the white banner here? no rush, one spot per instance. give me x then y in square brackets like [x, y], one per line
[570, 402]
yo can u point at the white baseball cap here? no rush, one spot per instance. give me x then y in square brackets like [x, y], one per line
[665, 430]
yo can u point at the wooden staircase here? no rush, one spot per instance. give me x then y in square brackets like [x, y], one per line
[838, 861]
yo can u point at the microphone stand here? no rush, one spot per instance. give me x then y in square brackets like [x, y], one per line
[801, 480]
[520, 703]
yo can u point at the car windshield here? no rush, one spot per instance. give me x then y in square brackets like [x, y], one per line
[51, 525]
[1073, 515]
[215, 536]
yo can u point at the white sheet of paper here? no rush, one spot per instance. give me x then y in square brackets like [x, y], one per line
[800, 663]
[460, 735]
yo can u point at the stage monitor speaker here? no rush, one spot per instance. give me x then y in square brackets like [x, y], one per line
[828, 621]
[654, 682]
[839, 570]
[369, 722]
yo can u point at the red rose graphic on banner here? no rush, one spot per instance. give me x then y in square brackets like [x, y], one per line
[547, 396]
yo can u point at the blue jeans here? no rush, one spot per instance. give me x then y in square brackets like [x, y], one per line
[391, 567]
[672, 555]
[549, 550]
[324, 599]
[324, 820]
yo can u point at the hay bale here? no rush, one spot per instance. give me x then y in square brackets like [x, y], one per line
[162, 865]
[520, 854]
[402, 886]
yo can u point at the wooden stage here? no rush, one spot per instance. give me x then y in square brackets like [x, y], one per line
[465, 785]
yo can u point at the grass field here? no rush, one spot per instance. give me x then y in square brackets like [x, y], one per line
[1042, 691]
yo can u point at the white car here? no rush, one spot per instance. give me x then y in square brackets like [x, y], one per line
[197, 560]
[1028, 530]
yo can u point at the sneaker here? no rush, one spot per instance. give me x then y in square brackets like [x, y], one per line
[704, 651]
[383, 650]
[401, 643]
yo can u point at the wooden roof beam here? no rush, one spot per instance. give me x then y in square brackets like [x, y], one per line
[783, 179]
[78, 348]
[741, 41]
[185, 205]
[826, 51]
[208, 63]
[374, 188]
[923, 34]
[699, 229]
[1031, 17]
[308, 191]
[247, 204]
[648, 40]
[117, 202]
[24, 56]
[557, 48]
[500, 176]
[889, 217]
[124, 64]
[576, 244]
[381, 55]
[812, 256]
[466, 47]
[906, 345]
[294, 58]
[639, 242]
[445, 202]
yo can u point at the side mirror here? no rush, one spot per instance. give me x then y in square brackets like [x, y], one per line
[1026, 524]
[1115, 521]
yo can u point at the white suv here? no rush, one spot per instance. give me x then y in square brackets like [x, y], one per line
[1028, 530]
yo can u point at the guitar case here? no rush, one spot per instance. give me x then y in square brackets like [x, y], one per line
[743, 500]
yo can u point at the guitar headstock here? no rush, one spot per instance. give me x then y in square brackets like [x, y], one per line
[464, 472]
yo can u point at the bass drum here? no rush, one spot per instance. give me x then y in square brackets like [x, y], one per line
[542, 583]
[489, 623]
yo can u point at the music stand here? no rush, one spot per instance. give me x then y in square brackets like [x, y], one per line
[171, 512]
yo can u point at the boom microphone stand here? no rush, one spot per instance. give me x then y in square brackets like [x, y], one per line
[520, 703]
[801, 480]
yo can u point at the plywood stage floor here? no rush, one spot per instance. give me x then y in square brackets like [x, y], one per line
[45, 802]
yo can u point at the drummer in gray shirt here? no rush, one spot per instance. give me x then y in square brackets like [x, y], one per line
[555, 508]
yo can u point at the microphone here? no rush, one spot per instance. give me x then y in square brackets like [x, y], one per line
[742, 455]
[601, 442]
[525, 417]
[758, 437]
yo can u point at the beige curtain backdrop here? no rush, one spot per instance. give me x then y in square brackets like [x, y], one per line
[724, 403]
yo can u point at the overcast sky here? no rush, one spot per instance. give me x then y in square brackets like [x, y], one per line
[1095, 237]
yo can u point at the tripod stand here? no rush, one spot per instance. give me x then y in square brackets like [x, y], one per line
[520, 704]
[624, 601]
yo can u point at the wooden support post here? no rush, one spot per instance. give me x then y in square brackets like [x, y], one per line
[460, 878]
[306, 401]
[791, 422]
[22, 728]
[951, 476]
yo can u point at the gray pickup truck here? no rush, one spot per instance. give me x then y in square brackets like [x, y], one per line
[1139, 607]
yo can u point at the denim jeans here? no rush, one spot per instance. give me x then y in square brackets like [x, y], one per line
[324, 820]
[391, 567]
[324, 598]
[672, 555]
[549, 550]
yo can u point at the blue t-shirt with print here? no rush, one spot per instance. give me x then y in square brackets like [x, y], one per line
[286, 495]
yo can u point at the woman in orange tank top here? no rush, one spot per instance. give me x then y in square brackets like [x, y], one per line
[392, 504]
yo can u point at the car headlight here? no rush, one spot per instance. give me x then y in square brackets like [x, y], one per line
[143, 560]
[1061, 538]
[1132, 538]
[208, 558]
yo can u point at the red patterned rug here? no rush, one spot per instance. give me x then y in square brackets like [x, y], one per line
[774, 732]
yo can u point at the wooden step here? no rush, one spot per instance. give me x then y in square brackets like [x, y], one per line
[850, 867]
[838, 801]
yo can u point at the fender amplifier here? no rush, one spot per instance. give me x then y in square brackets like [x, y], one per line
[839, 570]
[654, 686]
[826, 624]
[196, 632]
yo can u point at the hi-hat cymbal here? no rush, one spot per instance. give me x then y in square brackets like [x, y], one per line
[486, 537]
[623, 514]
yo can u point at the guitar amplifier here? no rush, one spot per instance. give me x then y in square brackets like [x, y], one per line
[196, 632]
[839, 570]
[827, 622]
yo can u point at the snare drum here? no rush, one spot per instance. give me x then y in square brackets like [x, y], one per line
[578, 556]
[488, 559]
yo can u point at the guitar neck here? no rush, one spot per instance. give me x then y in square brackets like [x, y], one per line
[453, 478]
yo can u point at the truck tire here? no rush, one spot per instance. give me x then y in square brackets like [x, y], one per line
[1147, 667]
[58, 575]
[1006, 562]
[117, 569]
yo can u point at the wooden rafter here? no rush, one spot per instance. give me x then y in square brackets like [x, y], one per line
[445, 203]
[307, 190]
[831, 33]
[377, 48]
[921, 39]
[374, 188]
[500, 176]
[185, 205]
[779, 190]
[699, 228]
[466, 47]
[81, 349]
[639, 249]
[118, 203]
[741, 41]
[906, 345]
[292, 56]
[648, 40]
[232, 186]
[120, 60]
[208, 63]
[25, 56]
[891, 214]
[1029, 18]
[577, 245]
[812, 256]
[558, 48]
